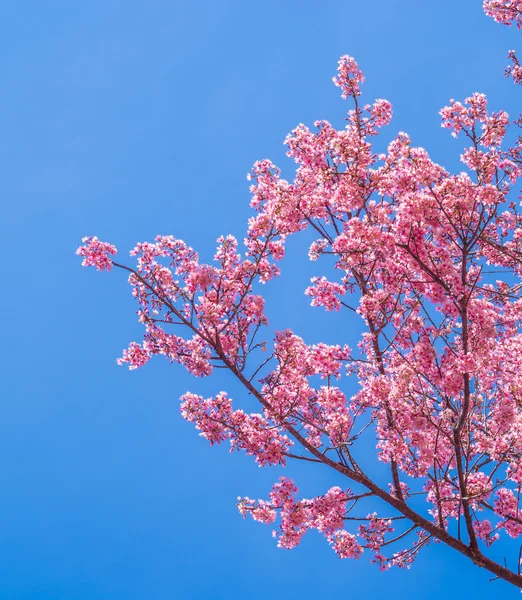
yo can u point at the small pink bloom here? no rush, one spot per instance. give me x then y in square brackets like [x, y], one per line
[95, 253]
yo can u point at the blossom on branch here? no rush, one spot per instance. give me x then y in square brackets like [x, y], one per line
[429, 265]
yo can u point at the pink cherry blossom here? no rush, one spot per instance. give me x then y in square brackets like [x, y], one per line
[514, 70]
[96, 253]
[428, 265]
[507, 12]
[325, 293]
[349, 77]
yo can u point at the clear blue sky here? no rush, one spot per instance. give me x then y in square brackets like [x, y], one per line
[129, 119]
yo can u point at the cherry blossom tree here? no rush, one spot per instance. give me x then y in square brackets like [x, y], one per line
[432, 263]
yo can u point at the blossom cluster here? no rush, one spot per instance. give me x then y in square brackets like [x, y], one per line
[415, 252]
[96, 253]
[324, 513]
[506, 12]
[217, 422]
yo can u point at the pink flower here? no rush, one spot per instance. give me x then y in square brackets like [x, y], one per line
[349, 78]
[505, 12]
[325, 293]
[345, 544]
[436, 362]
[135, 355]
[95, 253]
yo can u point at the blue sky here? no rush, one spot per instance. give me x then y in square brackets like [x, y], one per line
[129, 119]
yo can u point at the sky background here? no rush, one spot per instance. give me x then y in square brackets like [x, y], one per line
[129, 119]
